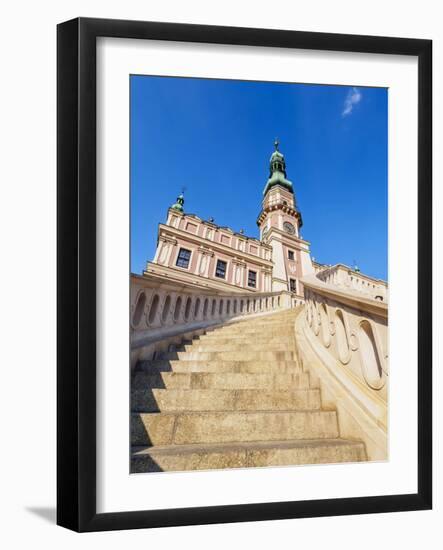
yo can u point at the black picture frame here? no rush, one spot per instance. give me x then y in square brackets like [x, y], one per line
[76, 264]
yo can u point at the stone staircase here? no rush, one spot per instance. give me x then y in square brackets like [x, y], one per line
[235, 397]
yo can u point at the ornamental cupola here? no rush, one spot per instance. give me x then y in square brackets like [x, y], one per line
[279, 207]
[179, 203]
[277, 171]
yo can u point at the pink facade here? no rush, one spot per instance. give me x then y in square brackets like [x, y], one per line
[189, 246]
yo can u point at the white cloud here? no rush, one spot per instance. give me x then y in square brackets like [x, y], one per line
[354, 96]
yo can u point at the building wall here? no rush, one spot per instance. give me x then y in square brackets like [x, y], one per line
[208, 243]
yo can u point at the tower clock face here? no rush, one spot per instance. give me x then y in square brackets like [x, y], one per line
[289, 228]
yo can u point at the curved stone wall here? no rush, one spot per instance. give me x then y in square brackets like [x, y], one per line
[343, 339]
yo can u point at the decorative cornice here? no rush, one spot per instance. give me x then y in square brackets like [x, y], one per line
[205, 251]
[167, 238]
[239, 261]
[177, 212]
[212, 225]
[181, 277]
[294, 240]
[279, 206]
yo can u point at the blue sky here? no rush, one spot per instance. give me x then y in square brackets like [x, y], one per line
[215, 137]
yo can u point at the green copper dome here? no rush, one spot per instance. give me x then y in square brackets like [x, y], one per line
[277, 171]
[179, 203]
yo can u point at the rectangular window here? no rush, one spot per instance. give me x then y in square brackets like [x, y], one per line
[292, 285]
[252, 279]
[183, 258]
[291, 254]
[220, 270]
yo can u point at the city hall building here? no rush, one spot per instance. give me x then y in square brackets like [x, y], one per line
[202, 253]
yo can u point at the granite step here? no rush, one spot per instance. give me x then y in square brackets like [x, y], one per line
[239, 337]
[250, 325]
[249, 346]
[175, 400]
[253, 355]
[220, 381]
[183, 428]
[268, 332]
[257, 322]
[245, 455]
[220, 366]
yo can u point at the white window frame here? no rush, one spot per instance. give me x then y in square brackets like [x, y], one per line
[190, 258]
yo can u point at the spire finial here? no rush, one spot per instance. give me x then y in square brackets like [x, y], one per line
[276, 144]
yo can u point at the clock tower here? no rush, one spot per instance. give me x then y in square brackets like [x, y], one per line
[279, 222]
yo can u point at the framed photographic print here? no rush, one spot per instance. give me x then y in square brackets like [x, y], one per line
[244, 274]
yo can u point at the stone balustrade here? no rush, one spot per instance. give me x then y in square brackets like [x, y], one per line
[165, 311]
[344, 277]
[344, 334]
